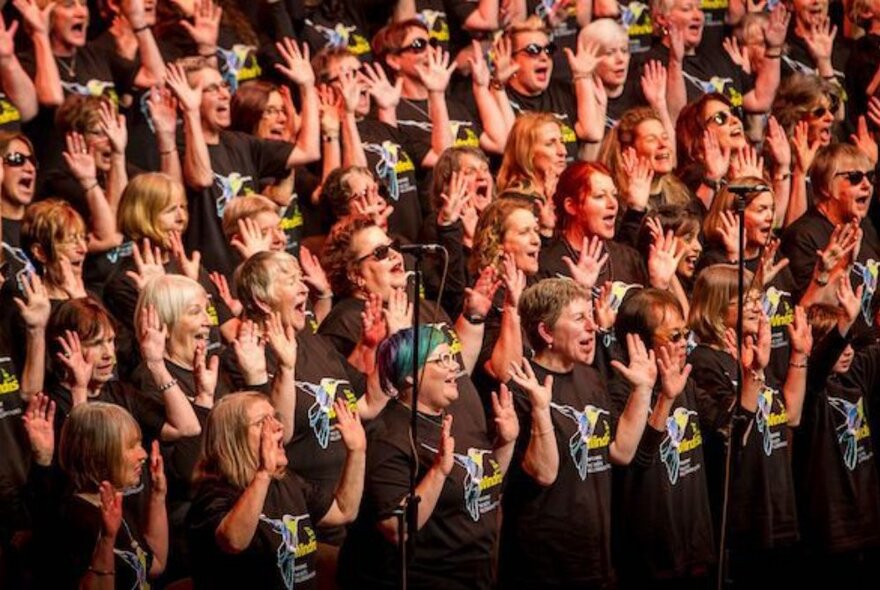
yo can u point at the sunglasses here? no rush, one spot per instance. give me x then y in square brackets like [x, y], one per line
[417, 46]
[678, 336]
[855, 177]
[335, 79]
[534, 50]
[381, 252]
[819, 112]
[18, 159]
[720, 118]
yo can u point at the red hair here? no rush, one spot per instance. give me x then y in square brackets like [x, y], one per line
[575, 182]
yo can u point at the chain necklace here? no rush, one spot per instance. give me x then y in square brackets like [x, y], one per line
[418, 108]
[70, 68]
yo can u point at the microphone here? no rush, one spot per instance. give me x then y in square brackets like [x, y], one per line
[420, 248]
[744, 189]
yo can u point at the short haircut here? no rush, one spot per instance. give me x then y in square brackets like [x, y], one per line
[143, 200]
[390, 37]
[542, 304]
[249, 104]
[337, 256]
[80, 113]
[244, 207]
[49, 223]
[322, 60]
[643, 312]
[449, 162]
[254, 279]
[169, 294]
[829, 161]
[394, 358]
[85, 316]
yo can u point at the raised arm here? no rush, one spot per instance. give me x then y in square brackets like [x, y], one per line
[298, 69]
[47, 79]
[14, 81]
[152, 70]
[283, 343]
[760, 98]
[197, 171]
[541, 459]
[34, 310]
[641, 373]
[163, 113]
[347, 498]
[435, 74]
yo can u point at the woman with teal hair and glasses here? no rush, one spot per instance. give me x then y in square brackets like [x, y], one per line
[459, 477]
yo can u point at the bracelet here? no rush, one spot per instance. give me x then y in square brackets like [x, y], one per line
[758, 375]
[774, 56]
[577, 77]
[98, 572]
[325, 295]
[541, 432]
[795, 365]
[495, 84]
[167, 386]
[474, 319]
[167, 152]
[715, 185]
[91, 187]
[140, 29]
[784, 176]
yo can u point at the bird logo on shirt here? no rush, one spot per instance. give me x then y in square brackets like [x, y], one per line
[435, 22]
[771, 300]
[230, 187]
[137, 561]
[321, 412]
[632, 12]
[670, 452]
[762, 417]
[239, 63]
[386, 167]
[342, 36]
[92, 88]
[472, 463]
[868, 273]
[579, 443]
[853, 428]
[619, 289]
[288, 527]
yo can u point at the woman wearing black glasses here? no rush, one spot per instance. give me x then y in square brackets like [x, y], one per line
[17, 189]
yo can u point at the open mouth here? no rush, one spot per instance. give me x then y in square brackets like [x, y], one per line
[301, 306]
[204, 334]
[862, 200]
[398, 267]
[277, 132]
[542, 73]
[26, 183]
[78, 28]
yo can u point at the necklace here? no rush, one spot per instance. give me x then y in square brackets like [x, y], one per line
[418, 108]
[70, 68]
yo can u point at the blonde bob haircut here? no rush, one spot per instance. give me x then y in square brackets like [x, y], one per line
[170, 295]
[255, 278]
[143, 200]
[226, 454]
[715, 289]
[94, 439]
[517, 167]
[245, 207]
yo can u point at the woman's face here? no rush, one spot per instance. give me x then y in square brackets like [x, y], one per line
[688, 16]
[273, 124]
[692, 247]
[100, 351]
[522, 240]
[820, 119]
[851, 189]
[133, 458]
[99, 144]
[269, 223]
[480, 183]
[653, 142]
[377, 266]
[597, 212]
[290, 297]
[751, 316]
[810, 12]
[259, 413]
[70, 19]
[614, 62]
[19, 174]
[174, 216]
[672, 331]
[718, 117]
[532, 52]
[759, 220]
[438, 387]
[548, 153]
[350, 63]
[573, 335]
[844, 362]
[74, 246]
[193, 326]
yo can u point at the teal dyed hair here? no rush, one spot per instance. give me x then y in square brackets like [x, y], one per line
[395, 356]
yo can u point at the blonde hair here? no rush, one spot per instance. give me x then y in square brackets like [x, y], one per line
[519, 153]
[532, 24]
[226, 454]
[255, 277]
[143, 200]
[169, 294]
[244, 207]
[603, 31]
[489, 235]
[48, 224]
[725, 201]
[716, 287]
[94, 439]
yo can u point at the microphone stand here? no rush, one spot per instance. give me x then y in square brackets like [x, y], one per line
[740, 207]
[407, 517]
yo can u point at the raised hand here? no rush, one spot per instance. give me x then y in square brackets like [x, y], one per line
[313, 274]
[590, 262]
[250, 353]
[676, 42]
[479, 68]
[864, 140]
[36, 20]
[370, 205]
[478, 299]
[80, 159]
[250, 238]
[506, 421]
[271, 437]
[147, 264]
[800, 335]
[503, 65]
[539, 394]
[39, 423]
[159, 486]
[768, 266]
[189, 99]
[225, 293]
[874, 106]
[163, 111]
[282, 340]
[78, 373]
[348, 423]
[762, 343]
[850, 301]
[445, 458]
[654, 84]
[729, 233]
[777, 27]
[820, 39]
[602, 309]
[386, 95]
[804, 151]
[663, 259]
[189, 265]
[436, 70]
[514, 280]
[296, 66]
[35, 308]
[331, 107]
[843, 242]
[641, 372]
[206, 372]
[673, 377]
[453, 200]
[747, 163]
[584, 62]
[7, 38]
[716, 159]
[777, 144]
[640, 175]
[398, 312]
[205, 28]
[111, 510]
[151, 336]
[350, 86]
[739, 55]
[373, 327]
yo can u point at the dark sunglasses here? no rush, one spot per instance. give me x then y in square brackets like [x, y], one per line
[720, 118]
[355, 71]
[18, 159]
[534, 50]
[678, 335]
[381, 252]
[855, 177]
[417, 46]
[819, 112]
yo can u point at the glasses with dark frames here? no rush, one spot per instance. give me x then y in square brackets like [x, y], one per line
[535, 49]
[855, 177]
[819, 112]
[18, 159]
[382, 252]
[417, 46]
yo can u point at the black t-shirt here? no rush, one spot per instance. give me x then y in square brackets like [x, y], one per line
[834, 459]
[631, 97]
[393, 156]
[14, 442]
[761, 512]
[559, 101]
[282, 551]
[797, 59]
[10, 117]
[662, 507]
[811, 233]
[559, 536]
[564, 35]
[635, 16]
[238, 162]
[347, 28]
[860, 69]
[453, 549]
[413, 120]
[12, 232]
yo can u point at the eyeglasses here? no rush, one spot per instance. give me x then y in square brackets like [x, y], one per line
[446, 359]
[677, 336]
[74, 239]
[262, 419]
[720, 118]
[355, 71]
[534, 49]
[820, 112]
[18, 159]
[216, 87]
[381, 252]
[273, 111]
[855, 177]
[417, 46]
